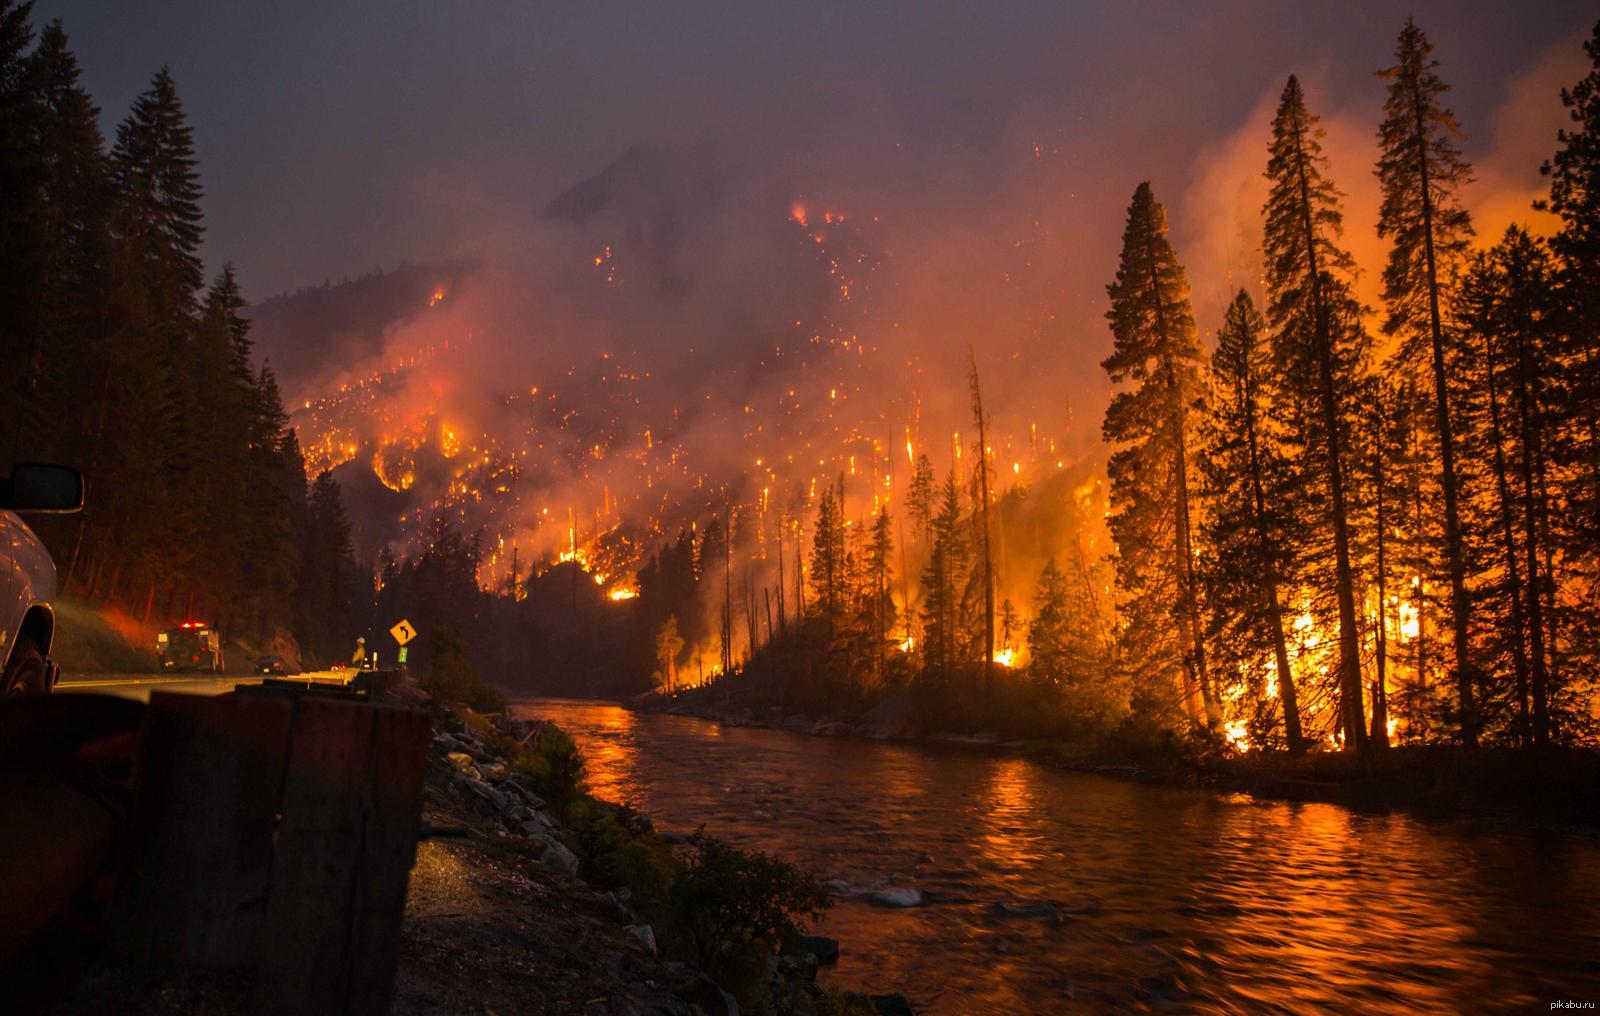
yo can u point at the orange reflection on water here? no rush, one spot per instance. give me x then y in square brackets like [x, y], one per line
[1008, 838]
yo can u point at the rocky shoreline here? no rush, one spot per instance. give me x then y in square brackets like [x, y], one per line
[500, 912]
[1553, 789]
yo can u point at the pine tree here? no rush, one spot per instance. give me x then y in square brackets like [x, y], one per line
[1420, 170]
[22, 178]
[1513, 316]
[1319, 351]
[828, 562]
[159, 187]
[1244, 477]
[327, 590]
[1157, 353]
[943, 578]
[1050, 655]
[981, 515]
[1574, 388]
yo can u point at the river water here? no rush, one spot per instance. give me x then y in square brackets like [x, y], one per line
[978, 884]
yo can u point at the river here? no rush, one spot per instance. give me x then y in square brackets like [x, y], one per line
[978, 884]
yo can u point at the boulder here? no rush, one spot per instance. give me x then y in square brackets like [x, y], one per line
[496, 772]
[891, 1005]
[895, 896]
[557, 857]
[819, 947]
[712, 1000]
[459, 760]
[645, 934]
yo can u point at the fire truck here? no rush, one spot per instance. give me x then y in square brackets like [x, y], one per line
[193, 645]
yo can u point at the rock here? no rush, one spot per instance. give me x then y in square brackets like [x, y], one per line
[460, 760]
[895, 896]
[558, 858]
[892, 1005]
[819, 947]
[517, 814]
[515, 785]
[703, 992]
[645, 934]
[800, 967]
[496, 772]
[486, 795]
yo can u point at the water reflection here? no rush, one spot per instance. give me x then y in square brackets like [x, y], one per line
[1043, 891]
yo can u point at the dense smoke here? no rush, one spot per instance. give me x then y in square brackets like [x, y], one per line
[725, 319]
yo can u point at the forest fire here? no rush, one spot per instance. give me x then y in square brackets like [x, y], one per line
[603, 455]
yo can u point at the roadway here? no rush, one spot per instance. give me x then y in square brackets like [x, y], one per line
[139, 686]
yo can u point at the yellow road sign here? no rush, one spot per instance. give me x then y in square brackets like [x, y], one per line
[403, 632]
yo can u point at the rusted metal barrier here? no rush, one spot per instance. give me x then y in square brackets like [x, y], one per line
[275, 834]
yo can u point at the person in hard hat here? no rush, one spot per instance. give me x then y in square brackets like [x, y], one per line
[359, 658]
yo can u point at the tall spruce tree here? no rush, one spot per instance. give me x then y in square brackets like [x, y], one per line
[160, 194]
[1244, 478]
[1421, 170]
[22, 176]
[1320, 351]
[1156, 356]
[1574, 388]
[1513, 317]
[74, 276]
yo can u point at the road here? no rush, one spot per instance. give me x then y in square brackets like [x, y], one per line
[139, 686]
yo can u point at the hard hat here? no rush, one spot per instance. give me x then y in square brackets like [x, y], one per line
[362, 639]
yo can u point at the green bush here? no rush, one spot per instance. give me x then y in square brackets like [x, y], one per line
[733, 907]
[554, 765]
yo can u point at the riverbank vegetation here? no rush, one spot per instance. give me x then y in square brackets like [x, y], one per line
[723, 912]
[1342, 528]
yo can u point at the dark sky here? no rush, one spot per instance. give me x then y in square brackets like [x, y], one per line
[337, 136]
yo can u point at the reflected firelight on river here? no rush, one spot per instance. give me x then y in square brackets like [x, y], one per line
[1037, 890]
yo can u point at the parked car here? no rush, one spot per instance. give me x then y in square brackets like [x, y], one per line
[28, 576]
[271, 665]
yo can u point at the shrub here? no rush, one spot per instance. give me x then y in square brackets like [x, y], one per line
[451, 677]
[732, 907]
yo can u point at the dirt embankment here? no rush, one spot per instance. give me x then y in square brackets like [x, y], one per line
[498, 921]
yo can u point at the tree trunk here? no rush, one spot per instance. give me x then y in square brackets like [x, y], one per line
[1532, 454]
[983, 512]
[1380, 689]
[1515, 589]
[1350, 710]
[1460, 604]
[1194, 662]
[1280, 645]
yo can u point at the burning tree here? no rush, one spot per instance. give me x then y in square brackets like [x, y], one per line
[1244, 479]
[1319, 351]
[1420, 170]
[1157, 353]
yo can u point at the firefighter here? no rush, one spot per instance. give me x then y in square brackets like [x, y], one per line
[359, 658]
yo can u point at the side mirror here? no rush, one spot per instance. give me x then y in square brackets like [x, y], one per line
[36, 487]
